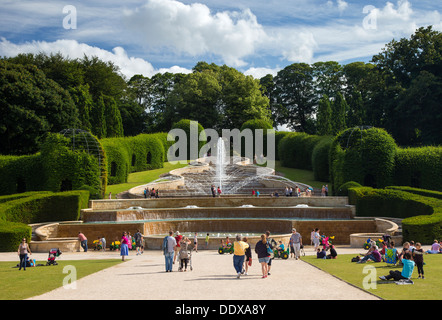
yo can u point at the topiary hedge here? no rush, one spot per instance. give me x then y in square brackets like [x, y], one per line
[320, 158]
[279, 135]
[343, 190]
[366, 156]
[422, 216]
[296, 149]
[16, 211]
[254, 124]
[419, 167]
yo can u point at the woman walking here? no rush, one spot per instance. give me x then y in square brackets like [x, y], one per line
[239, 248]
[23, 250]
[124, 251]
[263, 256]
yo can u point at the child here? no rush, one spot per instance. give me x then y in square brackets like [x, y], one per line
[207, 241]
[195, 242]
[280, 247]
[418, 257]
[248, 261]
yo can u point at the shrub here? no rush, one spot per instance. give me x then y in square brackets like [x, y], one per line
[422, 216]
[343, 190]
[320, 158]
[296, 148]
[365, 156]
[279, 135]
[254, 124]
[184, 124]
[11, 234]
[118, 161]
[419, 167]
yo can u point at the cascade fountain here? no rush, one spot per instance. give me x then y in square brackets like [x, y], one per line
[220, 164]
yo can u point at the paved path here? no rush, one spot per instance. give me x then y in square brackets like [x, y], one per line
[212, 278]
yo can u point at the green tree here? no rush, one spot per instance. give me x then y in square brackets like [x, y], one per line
[324, 116]
[31, 105]
[112, 116]
[339, 109]
[295, 93]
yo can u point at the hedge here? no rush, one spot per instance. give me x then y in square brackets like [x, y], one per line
[419, 167]
[320, 159]
[422, 216]
[364, 156]
[254, 124]
[16, 211]
[343, 190]
[296, 149]
[279, 135]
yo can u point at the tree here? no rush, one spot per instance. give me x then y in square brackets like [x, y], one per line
[112, 116]
[339, 108]
[328, 77]
[324, 116]
[295, 94]
[31, 105]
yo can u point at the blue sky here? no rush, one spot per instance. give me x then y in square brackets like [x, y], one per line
[256, 37]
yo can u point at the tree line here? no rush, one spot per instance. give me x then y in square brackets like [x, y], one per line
[400, 90]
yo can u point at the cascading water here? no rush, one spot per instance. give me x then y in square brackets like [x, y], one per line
[220, 163]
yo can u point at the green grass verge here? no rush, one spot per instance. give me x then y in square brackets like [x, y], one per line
[19, 285]
[142, 177]
[429, 288]
[299, 175]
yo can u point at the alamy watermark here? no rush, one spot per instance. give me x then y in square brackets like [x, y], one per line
[247, 143]
[70, 20]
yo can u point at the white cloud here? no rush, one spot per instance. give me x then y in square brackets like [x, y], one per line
[129, 66]
[258, 73]
[194, 30]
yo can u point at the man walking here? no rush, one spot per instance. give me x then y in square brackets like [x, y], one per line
[138, 241]
[169, 244]
[239, 248]
[295, 244]
[83, 241]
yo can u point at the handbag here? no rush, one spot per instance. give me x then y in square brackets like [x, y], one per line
[250, 261]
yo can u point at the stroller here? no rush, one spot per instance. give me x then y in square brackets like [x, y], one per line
[185, 254]
[53, 253]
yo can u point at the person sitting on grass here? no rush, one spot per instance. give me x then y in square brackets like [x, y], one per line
[374, 255]
[407, 270]
[333, 254]
[321, 254]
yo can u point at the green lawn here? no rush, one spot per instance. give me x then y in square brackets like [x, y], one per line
[299, 175]
[18, 285]
[139, 178]
[429, 288]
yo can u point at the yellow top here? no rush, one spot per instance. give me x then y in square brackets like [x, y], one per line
[239, 248]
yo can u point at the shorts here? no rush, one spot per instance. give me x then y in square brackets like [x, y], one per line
[265, 259]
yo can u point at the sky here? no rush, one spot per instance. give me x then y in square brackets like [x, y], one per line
[256, 37]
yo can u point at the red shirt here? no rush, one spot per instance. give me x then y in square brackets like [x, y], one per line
[178, 240]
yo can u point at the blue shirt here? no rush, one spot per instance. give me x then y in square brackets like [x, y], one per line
[408, 268]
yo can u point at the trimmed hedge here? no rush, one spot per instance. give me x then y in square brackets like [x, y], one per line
[320, 158]
[296, 149]
[132, 154]
[279, 135]
[254, 124]
[343, 190]
[422, 216]
[364, 156]
[16, 211]
[419, 167]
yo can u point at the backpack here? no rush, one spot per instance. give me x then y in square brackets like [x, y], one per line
[355, 259]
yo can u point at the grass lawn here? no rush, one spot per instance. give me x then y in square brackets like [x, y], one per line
[142, 177]
[18, 285]
[429, 288]
[299, 175]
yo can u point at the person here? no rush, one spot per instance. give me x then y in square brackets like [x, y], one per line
[316, 238]
[295, 244]
[372, 254]
[145, 193]
[321, 254]
[287, 191]
[212, 189]
[257, 193]
[253, 192]
[103, 243]
[23, 250]
[435, 247]
[312, 236]
[270, 243]
[169, 244]
[239, 248]
[219, 192]
[110, 195]
[248, 253]
[183, 253]
[407, 270]
[418, 257]
[263, 256]
[124, 249]
[83, 241]
[178, 245]
[280, 247]
[207, 241]
[228, 242]
[323, 191]
[291, 192]
[333, 254]
[326, 190]
[138, 241]
[195, 242]
[405, 249]
[391, 255]
[412, 246]
[129, 238]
